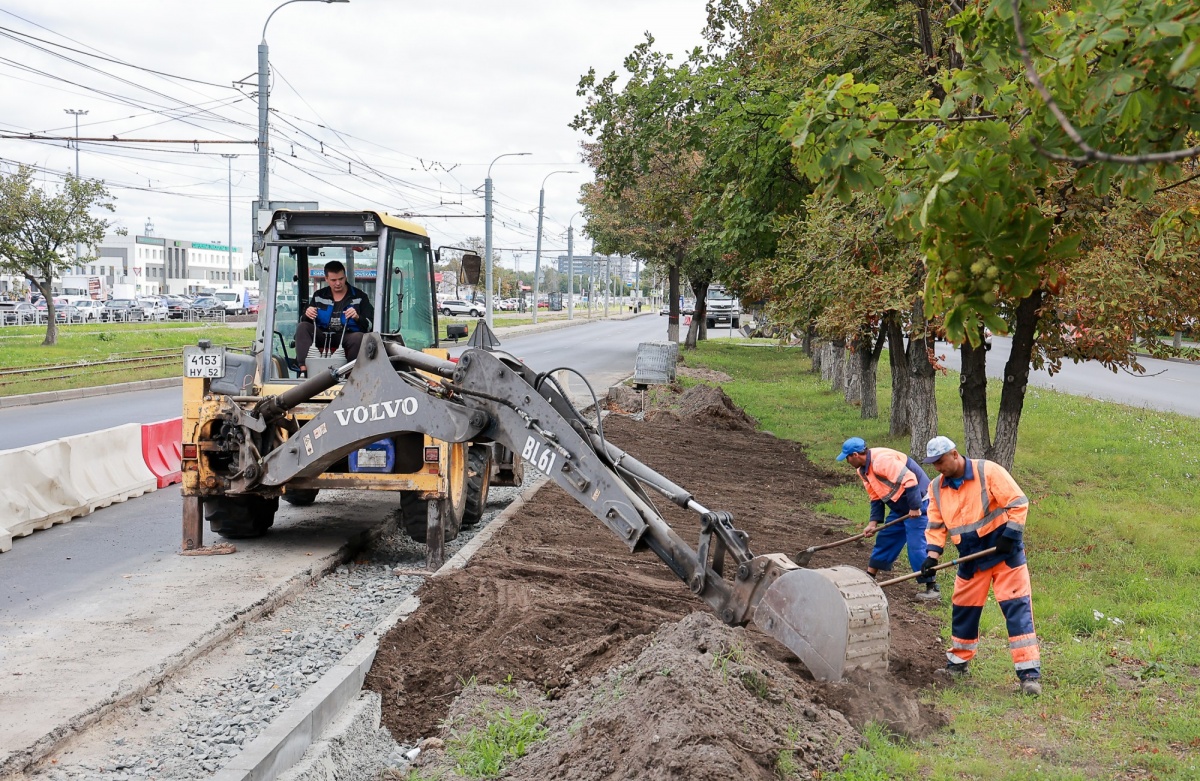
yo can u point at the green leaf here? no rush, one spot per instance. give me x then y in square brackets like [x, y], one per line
[948, 176]
[1185, 61]
[928, 201]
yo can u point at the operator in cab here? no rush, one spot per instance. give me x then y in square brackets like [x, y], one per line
[338, 315]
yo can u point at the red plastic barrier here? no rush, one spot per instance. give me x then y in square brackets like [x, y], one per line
[162, 450]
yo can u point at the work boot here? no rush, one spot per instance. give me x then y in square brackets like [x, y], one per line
[930, 594]
[1031, 687]
[953, 671]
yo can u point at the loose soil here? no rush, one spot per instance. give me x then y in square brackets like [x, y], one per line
[635, 678]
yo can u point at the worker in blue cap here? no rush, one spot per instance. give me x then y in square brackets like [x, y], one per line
[897, 487]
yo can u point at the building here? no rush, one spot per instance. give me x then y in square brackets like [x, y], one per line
[155, 265]
[586, 266]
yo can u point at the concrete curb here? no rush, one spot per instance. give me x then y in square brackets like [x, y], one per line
[85, 393]
[284, 743]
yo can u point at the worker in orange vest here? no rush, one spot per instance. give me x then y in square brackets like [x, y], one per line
[978, 505]
[897, 486]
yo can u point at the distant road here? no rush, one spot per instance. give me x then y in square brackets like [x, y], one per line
[1172, 386]
[21, 426]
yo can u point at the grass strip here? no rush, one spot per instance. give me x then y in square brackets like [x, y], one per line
[1112, 535]
[483, 752]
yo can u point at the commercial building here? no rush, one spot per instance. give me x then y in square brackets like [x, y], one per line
[155, 265]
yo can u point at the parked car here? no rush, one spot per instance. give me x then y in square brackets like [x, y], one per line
[42, 309]
[68, 313]
[177, 306]
[121, 310]
[453, 307]
[17, 313]
[90, 309]
[156, 308]
[207, 306]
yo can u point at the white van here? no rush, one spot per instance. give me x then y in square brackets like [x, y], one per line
[236, 300]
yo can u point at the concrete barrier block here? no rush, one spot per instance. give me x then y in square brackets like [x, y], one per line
[162, 450]
[5, 540]
[107, 466]
[37, 491]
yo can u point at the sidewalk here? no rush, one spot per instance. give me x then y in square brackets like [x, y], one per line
[127, 387]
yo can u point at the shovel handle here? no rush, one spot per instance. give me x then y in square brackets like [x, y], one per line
[917, 574]
[858, 536]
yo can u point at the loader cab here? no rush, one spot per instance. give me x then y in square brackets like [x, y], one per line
[387, 258]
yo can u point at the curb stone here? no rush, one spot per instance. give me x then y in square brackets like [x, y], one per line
[282, 745]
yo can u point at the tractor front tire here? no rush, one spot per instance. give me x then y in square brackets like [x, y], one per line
[479, 480]
[240, 517]
[300, 497]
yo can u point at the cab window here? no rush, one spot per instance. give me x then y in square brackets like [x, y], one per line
[409, 297]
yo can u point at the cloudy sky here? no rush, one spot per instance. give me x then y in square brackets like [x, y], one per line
[394, 104]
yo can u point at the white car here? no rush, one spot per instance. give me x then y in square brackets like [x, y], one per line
[454, 307]
[89, 309]
[156, 308]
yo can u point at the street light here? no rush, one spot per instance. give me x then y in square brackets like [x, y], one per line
[487, 233]
[264, 189]
[571, 267]
[537, 263]
[77, 112]
[229, 279]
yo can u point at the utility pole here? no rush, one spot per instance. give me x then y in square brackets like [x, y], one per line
[607, 282]
[76, 112]
[571, 268]
[487, 232]
[537, 263]
[229, 159]
[264, 147]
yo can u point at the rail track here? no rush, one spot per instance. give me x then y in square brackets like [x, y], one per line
[119, 362]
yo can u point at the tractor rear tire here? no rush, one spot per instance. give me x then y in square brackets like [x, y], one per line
[240, 517]
[479, 480]
[413, 509]
[300, 497]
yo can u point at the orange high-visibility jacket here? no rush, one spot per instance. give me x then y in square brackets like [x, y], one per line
[886, 474]
[988, 504]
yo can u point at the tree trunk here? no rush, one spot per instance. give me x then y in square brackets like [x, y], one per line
[697, 331]
[837, 365]
[1016, 380]
[852, 391]
[817, 351]
[922, 399]
[673, 315]
[972, 391]
[899, 365]
[827, 361]
[51, 322]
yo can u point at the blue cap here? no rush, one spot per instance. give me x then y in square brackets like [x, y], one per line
[936, 448]
[851, 446]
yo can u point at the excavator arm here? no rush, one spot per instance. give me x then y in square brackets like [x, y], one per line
[834, 620]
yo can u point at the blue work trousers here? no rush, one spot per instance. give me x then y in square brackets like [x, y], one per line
[890, 541]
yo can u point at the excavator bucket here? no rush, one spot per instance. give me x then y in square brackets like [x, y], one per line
[834, 619]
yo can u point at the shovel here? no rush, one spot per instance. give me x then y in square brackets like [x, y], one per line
[917, 574]
[803, 557]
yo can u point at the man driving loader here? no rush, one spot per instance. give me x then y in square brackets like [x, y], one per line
[898, 484]
[339, 314]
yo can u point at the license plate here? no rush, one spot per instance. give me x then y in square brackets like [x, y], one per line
[372, 458]
[199, 362]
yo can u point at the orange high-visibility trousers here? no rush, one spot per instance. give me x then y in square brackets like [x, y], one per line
[1012, 590]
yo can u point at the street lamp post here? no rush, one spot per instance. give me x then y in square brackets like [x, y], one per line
[487, 233]
[571, 267]
[229, 158]
[76, 112]
[537, 263]
[264, 189]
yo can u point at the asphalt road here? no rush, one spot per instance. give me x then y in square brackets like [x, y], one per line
[1172, 386]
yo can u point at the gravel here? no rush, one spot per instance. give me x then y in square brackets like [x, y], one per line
[197, 722]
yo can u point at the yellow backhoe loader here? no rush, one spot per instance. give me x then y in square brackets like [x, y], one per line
[402, 416]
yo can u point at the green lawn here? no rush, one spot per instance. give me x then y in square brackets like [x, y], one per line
[1112, 539]
[21, 348]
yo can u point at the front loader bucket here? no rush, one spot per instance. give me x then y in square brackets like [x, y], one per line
[834, 619]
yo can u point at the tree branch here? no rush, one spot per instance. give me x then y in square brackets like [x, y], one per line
[1090, 153]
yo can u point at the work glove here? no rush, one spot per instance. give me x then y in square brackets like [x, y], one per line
[928, 565]
[1004, 544]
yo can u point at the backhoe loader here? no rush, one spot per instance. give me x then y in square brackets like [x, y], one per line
[439, 431]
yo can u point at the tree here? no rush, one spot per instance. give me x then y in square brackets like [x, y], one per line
[1004, 195]
[39, 230]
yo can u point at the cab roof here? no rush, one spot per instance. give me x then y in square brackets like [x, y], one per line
[385, 218]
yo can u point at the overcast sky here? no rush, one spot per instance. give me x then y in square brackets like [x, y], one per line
[393, 104]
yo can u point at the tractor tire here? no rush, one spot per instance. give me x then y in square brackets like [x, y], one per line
[479, 480]
[413, 509]
[240, 517]
[300, 497]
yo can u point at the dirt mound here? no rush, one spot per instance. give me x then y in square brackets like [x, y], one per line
[711, 707]
[709, 406]
[556, 600]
